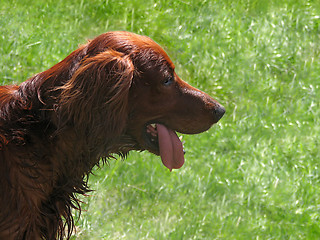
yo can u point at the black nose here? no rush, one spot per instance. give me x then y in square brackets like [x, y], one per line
[219, 112]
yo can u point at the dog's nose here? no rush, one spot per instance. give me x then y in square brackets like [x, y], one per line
[219, 112]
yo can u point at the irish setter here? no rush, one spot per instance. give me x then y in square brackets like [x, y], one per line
[119, 92]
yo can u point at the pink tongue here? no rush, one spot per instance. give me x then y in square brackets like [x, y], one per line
[171, 148]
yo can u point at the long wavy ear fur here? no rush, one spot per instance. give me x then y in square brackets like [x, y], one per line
[95, 100]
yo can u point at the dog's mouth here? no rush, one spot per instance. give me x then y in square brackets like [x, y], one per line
[164, 141]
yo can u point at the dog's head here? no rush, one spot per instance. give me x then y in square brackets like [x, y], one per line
[151, 102]
[160, 103]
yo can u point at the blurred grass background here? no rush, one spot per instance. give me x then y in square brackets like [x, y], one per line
[254, 175]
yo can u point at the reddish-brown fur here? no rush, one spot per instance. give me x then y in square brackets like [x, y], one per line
[57, 125]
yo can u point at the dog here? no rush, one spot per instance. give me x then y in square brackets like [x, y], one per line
[117, 93]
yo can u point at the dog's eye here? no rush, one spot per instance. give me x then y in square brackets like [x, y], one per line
[168, 81]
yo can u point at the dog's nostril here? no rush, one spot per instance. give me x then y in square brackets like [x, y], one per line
[219, 112]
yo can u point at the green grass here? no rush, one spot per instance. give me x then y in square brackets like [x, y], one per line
[254, 175]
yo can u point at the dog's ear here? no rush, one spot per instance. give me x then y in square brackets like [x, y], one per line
[95, 99]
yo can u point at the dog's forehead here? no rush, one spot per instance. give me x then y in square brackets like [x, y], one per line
[144, 42]
[128, 43]
[161, 51]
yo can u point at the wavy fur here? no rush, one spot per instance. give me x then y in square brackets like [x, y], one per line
[57, 125]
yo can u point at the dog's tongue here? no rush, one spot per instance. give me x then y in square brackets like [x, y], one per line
[171, 148]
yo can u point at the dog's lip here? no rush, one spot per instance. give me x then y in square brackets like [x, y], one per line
[153, 146]
[151, 142]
